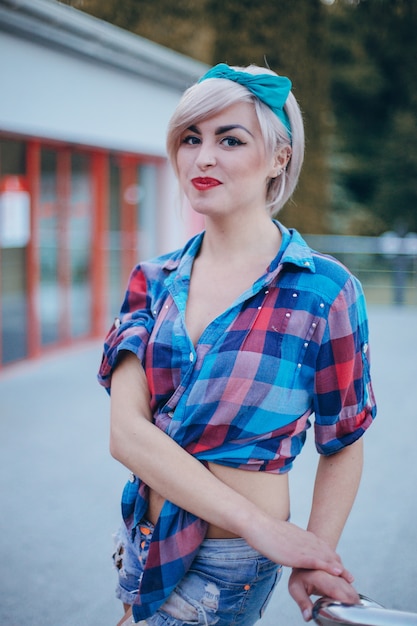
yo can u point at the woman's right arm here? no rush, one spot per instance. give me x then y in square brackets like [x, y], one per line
[177, 476]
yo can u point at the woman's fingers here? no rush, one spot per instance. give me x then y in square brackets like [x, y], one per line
[304, 583]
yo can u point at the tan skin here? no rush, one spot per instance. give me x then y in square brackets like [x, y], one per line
[239, 243]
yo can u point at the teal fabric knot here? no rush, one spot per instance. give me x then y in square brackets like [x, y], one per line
[271, 89]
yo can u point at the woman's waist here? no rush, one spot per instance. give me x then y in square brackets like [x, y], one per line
[270, 492]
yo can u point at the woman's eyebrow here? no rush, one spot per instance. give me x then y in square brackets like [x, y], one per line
[225, 129]
[220, 130]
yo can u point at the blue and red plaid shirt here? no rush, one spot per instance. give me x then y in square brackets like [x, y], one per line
[293, 345]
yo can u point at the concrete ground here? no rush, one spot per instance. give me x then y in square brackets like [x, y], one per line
[60, 488]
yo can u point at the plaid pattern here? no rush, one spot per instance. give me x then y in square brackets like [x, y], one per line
[295, 344]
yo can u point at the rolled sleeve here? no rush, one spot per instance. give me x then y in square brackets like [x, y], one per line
[344, 401]
[131, 330]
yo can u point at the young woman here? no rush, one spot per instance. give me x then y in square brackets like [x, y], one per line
[222, 353]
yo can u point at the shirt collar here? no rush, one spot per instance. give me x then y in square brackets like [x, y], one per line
[294, 249]
[183, 260]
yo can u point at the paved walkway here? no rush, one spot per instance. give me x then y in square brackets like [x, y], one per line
[60, 488]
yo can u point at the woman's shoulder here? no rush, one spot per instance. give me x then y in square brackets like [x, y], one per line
[316, 271]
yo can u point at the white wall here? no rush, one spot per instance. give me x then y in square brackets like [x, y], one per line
[47, 93]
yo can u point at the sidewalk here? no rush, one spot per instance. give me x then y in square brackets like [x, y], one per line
[60, 488]
[60, 491]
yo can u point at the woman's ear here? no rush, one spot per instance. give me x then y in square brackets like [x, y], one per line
[280, 161]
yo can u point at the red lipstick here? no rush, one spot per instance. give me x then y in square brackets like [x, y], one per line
[204, 183]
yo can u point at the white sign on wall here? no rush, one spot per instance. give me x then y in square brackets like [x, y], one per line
[14, 219]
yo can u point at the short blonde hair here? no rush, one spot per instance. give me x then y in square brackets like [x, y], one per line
[205, 99]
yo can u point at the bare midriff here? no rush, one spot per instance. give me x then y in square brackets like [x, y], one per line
[270, 492]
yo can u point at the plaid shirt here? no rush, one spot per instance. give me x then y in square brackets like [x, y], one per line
[294, 344]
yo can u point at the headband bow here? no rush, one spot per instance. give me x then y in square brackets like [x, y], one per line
[272, 90]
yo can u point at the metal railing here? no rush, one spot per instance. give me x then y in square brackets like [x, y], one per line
[386, 265]
[368, 613]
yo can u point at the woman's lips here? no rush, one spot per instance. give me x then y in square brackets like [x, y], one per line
[205, 183]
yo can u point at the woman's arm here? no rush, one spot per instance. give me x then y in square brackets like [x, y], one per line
[176, 475]
[335, 489]
[337, 482]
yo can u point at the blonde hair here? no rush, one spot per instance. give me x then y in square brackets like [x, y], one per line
[205, 99]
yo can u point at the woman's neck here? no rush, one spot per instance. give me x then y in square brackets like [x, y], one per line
[244, 239]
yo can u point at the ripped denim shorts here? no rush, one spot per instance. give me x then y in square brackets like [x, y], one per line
[229, 583]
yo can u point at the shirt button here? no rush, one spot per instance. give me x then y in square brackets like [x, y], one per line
[307, 263]
[295, 295]
[117, 322]
[191, 357]
[288, 315]
[299, 365]
[132, 478]
[305, 344]
[322, 305]
[314, 325]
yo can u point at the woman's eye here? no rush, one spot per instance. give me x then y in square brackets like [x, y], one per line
[231, 142]
[191, 140]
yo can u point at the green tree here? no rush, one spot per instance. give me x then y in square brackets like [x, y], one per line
[374, 98]
[395, 198]
[181, 26]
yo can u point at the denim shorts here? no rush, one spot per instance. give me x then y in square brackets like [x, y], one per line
[229, 583]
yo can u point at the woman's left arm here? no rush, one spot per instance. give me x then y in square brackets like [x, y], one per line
[336, 485]
[337, 482]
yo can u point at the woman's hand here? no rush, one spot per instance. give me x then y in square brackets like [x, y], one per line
[304, 582]
[335, 489]
[289, 545]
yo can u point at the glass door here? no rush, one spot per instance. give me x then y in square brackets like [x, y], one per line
[80, 243]
[65, 219]
[49, 228]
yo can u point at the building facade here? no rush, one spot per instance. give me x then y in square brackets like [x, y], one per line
[85, 187]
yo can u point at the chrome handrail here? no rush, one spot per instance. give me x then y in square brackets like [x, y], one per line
[368, 613]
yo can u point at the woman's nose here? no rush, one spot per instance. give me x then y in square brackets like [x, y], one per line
[206, 157]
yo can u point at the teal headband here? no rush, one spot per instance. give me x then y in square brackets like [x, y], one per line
[271, 89]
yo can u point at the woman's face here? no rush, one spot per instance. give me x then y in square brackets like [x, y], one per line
[222, 163]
